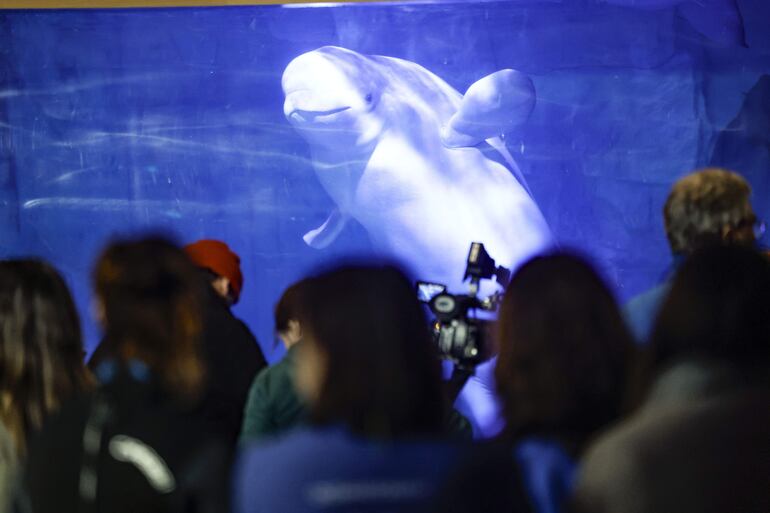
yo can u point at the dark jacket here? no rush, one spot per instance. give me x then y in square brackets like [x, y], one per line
[701, 443]
[146, 452]
[487, 480]
[232, 357]
[9, 467]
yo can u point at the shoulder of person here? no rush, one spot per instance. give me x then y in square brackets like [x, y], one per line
[610, 474]
[278, 372]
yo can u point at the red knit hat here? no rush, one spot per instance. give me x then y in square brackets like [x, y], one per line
[216, 256]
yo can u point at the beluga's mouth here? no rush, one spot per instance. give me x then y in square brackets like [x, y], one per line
[313, 116]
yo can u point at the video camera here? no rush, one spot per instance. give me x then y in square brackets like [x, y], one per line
[459, 335]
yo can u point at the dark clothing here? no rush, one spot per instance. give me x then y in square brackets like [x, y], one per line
[458, 425]
[152, 457]
[104, 352]
[9, 467]
[536, 475]
[487, 481]
[273, 405]
[701, 443]
[232, 358]
[328, 469]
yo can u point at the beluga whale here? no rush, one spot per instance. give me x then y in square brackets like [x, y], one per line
[422, 167]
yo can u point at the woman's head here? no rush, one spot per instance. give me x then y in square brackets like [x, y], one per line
[563, 350]
[718, 310]
[150, 296]
[367, 360]
[41, 350]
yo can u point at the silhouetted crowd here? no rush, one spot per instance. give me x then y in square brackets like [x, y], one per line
[660, 406]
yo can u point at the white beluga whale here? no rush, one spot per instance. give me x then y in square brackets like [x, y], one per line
[422, 168]
[497, 104]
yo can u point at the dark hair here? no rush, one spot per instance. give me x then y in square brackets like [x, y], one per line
[383, 377]
[41, 349]
[564, 351]
[718, 309]
[152, 294]
[289, 306]
[701, 204]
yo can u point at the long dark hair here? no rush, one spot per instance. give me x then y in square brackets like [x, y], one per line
[564, 351]
[383, 376]
[151, 297]
[41, 349]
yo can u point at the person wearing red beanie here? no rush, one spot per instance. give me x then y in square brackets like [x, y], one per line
[225, 265]
[233, 355]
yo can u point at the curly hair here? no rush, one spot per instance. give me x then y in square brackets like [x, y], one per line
[701, 204]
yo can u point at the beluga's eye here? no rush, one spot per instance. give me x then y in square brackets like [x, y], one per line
[368, 98]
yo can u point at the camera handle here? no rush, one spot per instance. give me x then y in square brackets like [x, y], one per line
[460, 376]
[473, 286]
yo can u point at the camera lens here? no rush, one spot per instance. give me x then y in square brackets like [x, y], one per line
[444, 303]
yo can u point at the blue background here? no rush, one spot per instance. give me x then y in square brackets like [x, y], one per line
[116, 121]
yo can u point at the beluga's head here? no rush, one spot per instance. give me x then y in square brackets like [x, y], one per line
[332, 97]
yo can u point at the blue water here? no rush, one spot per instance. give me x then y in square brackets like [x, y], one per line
[119, 121]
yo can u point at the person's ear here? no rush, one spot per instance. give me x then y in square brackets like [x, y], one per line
[222, 286]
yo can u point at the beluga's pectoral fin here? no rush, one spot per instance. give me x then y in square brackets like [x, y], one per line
[496, 104]
[325, 234]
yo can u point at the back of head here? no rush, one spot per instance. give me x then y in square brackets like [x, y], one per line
[718, 309]
[289, 305]
[151, 295]
[563, 350]
[41, 351]
[703, 205]
[381, 374]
